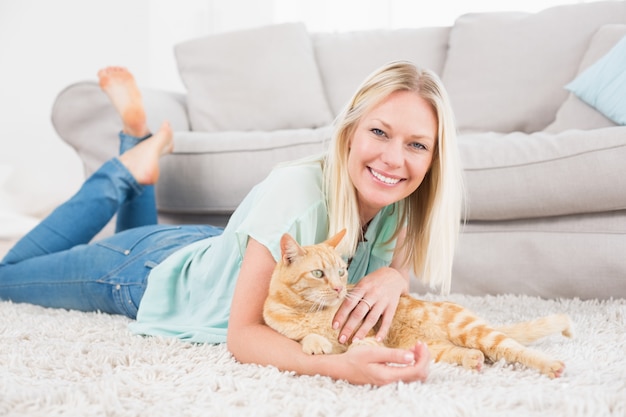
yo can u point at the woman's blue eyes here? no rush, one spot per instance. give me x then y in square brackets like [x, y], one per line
[418, 145]
[415, 145]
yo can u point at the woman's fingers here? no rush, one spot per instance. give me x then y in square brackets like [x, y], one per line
[344, 311]
[386, 321]
[352, 319]
[419, 370]
[370, 320]
[387, 365]
[376, 296]
[414, 370]
[362, 319]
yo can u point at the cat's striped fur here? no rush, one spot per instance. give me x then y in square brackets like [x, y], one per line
[309, 284]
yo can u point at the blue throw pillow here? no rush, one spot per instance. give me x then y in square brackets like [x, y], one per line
[603, 84]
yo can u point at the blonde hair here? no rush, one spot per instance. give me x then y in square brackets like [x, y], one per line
[432, 213]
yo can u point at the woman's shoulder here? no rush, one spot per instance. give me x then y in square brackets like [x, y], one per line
[302, 174]
[290, 200]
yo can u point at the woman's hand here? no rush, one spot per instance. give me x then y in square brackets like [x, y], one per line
[376, 296]
[380, 365]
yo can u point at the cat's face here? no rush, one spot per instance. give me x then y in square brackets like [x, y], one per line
[316, 273]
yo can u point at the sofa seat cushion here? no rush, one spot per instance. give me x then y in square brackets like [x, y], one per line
[575, 113]
[213, 172]
[257, 79]
[505, 72]
[519, 175]
[345, 59]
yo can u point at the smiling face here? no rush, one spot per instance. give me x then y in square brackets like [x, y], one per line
[391, 151]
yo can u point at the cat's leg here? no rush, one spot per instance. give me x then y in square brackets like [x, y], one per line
[445, 351]
[530, 331]
[466, 329]
[498, 346]
[314, 344]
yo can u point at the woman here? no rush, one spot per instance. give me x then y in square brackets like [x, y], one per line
[391, 178]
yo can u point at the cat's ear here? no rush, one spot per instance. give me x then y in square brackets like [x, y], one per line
[334, 241]
[289, 248]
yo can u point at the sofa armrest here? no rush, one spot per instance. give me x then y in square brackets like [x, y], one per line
[84, 118]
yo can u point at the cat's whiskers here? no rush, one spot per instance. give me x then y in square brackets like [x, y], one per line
[317, 305]
[317, 301]
[321, 299]
[353, 295]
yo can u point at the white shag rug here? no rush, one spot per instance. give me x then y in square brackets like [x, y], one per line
[60, 363]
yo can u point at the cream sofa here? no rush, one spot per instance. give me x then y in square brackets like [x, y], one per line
[545, 172]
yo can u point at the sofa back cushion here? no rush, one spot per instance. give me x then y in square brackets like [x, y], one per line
[506, 71]
[575, 113]
[346, 59]
[257, 79]
[212, 172]
[603, 85]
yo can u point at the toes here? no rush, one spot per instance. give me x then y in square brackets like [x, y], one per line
[474, 360]
[555, 369]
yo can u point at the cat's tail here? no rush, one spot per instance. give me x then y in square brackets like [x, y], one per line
[529, 331]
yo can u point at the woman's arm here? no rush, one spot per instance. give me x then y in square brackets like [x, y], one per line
[381, 289]
[250, 340]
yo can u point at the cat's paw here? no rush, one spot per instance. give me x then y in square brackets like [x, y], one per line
[473, 359]
[314, 344]
[553, 369]
[368, 341]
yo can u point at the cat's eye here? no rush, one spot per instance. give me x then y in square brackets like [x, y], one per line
[317, 273]
[341, 272]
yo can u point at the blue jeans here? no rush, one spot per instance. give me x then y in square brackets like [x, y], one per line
[54, 265]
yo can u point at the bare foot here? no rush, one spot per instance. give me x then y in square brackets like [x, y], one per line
[119, 85]
[143, 159]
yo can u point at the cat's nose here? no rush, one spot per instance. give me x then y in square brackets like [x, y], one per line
[338, 289]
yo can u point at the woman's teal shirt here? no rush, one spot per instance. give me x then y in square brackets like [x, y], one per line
[188, 295]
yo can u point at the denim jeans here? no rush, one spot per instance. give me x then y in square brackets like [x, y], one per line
[55, 265]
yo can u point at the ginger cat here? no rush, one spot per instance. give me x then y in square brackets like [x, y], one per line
[309, 284]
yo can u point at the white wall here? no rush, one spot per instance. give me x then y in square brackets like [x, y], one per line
[46, 45]
[331, 15]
